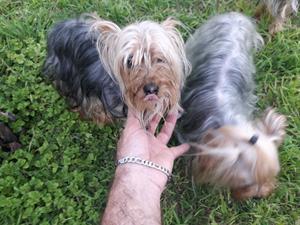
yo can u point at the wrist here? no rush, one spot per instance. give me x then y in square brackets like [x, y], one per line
[141, 177]
[133, 199]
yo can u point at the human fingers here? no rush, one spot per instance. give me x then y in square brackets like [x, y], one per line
[179, 150]
[154, 123]
[168, 127]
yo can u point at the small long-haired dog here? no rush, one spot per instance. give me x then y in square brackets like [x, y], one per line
[102, 69]
[231, 148]
[279, 10]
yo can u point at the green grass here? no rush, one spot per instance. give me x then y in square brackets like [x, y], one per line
[62, 173]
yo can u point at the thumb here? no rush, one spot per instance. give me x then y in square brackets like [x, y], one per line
[179, 150]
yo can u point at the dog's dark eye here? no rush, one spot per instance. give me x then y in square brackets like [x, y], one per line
[129, 62]
[158, 60]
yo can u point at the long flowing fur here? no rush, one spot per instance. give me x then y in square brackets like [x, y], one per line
[219, 103]
[102, 69]
[156, 52]
[74, 66]
[220, 89]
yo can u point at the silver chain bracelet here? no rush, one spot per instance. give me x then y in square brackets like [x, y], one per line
[137, 160]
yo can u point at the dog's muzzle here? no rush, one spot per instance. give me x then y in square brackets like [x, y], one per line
[150, 88]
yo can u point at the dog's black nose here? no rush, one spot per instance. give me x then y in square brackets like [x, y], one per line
[150, 88]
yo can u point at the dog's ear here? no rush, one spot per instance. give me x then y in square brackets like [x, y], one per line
[106, 42]
[105, 27]
[108, 33]
[273, 125]
[170, 26]
[210, 138]
[215, 138]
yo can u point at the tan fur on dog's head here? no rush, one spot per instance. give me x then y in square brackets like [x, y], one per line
[228, 158]
[141, 55]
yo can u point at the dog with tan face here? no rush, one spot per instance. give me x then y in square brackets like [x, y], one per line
[232, 149]
[102, 69]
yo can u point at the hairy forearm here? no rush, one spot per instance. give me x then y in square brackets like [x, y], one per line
[129, 203]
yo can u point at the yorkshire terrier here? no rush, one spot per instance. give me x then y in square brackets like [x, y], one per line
[280, 10]
[231, 148]
[102, 69]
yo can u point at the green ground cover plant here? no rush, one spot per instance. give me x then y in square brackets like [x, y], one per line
[62, 173]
